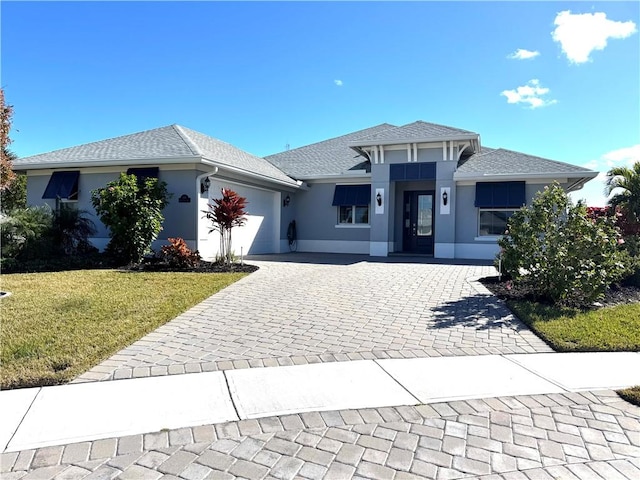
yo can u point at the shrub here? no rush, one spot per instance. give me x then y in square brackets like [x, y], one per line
[225, 213]
[566, 256]
[71, 229]
[179, 255]
[132, 210]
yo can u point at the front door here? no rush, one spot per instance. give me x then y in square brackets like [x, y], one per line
[418, 222]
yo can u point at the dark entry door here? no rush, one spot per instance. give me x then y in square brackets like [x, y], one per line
[418, 222]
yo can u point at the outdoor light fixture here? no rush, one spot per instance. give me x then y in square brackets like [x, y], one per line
[445, 197]
[286, 201]
[205, 184]
[379, 199]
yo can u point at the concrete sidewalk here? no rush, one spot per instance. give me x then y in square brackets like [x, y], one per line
[40, 417]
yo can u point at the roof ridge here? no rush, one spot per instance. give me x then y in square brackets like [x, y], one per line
[338, 137]
[193, 146]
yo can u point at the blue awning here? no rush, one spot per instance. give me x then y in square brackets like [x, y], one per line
[63, 185]
[352, 195]
[500, 194]
[143, 173]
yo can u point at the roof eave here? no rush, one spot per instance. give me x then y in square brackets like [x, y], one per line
[337, 176]
[586, 175]
[291, 184]
[107, 163]
[447, 138]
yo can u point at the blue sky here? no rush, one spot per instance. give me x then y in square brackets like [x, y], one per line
[264, 75]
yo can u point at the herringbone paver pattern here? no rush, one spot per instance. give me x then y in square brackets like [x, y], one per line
[296, 313]
[571, 436]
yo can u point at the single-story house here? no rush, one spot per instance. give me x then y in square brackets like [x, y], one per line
[420, 188]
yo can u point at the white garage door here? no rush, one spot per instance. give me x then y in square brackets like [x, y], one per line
[260, 234]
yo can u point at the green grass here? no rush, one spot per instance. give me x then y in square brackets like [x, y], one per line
[56, 326]
[567, 330]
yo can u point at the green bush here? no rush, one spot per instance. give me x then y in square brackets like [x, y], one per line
[132, 210]
[554, 246]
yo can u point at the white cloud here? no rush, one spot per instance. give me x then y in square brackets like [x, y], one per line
[581, 34]
[593, 191]
[522, 54]
[623, 156]
[338, 82]
[530, 94]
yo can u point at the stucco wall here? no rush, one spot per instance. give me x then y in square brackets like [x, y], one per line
[180, 218]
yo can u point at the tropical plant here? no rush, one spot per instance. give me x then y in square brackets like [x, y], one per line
[226, 213]
[178, 254]
[21, 230]
[624, 184]
[565, 256]
[71, 229]
[132, 210]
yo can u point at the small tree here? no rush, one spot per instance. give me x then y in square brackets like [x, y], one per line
[225, 213]
[15, 195]
[7, 175]
[563, 254]
[132, 210]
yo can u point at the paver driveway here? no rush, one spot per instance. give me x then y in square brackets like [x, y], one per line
[329, 308]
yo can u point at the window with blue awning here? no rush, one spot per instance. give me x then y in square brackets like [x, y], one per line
[345, 195]
[500, 194]
[63, 185]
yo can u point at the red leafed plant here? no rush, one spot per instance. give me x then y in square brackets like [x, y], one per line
[179, 255]
[225, 213]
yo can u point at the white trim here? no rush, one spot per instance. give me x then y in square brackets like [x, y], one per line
[444, 151]
[375, 154]
[333, 246]
[378, 249]
[460, 150]
[483, 177]
[364, 177]
[529, 181]
[108, 163]
[408, 153]
[477, 251]
[398, 141]
[352, 225]
[488, 238]
[381, 153]
[415, 152]
[450, 151]
[444, 250]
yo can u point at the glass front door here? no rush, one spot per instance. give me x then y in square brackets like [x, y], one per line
[418, 222]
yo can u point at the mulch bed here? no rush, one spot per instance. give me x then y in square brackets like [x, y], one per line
[203, 267]
[617, 295]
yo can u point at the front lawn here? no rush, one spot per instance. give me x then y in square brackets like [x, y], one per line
[570, 330]
[55, 326]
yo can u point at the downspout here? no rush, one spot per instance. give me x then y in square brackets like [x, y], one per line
[198, 180]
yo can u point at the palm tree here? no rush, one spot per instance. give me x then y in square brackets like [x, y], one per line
[625, 182]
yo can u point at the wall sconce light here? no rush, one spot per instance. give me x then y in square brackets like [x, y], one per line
[379, 199]
[445, 197]
[286, 201]
[205, 184]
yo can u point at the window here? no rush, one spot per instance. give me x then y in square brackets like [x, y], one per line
[493, 222]
[353, 204]
[353, 214]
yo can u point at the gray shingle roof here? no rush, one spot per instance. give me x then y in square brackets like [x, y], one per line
[162, 143]
[330, 157]
[413, 131]
[507, 162]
